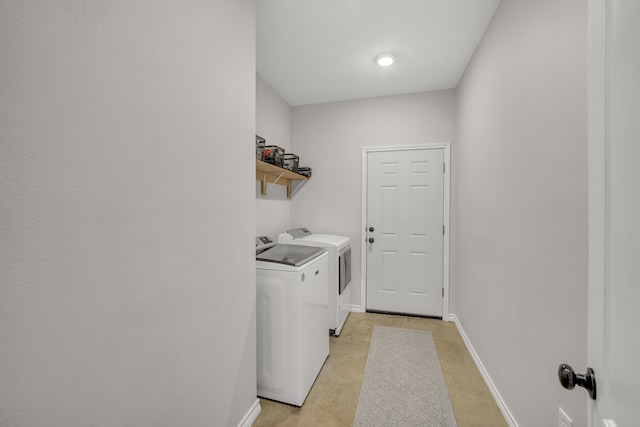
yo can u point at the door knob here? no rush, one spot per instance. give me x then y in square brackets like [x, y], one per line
[569, 379]
[370, 228]
[371, 240]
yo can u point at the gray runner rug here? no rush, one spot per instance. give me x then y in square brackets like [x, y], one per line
[403, 383]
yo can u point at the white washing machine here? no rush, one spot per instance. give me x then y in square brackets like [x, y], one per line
[340, 291]
[292, 310]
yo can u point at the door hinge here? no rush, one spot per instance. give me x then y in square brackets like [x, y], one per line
[444, 168]
[442, 292]
[443, 233]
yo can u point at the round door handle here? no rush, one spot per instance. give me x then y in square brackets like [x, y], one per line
[371, 229]
[371, 240]
[569, 379]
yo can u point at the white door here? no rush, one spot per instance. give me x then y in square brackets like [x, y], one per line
[404, 231]
[614, 211]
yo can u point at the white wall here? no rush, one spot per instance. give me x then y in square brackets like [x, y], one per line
[127, 270]
[273, 122]
[521, 288]
[329, 138]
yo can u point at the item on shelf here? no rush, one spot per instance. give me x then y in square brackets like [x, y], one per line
[260, 143]
[291, 162]
[273, 154]
[305, 171]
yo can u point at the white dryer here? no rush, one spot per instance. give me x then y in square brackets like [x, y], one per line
[339, 248]
[291, 317]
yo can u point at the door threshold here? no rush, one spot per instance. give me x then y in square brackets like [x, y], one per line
[393, 313]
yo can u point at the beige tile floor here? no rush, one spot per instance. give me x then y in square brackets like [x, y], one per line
[333, 399]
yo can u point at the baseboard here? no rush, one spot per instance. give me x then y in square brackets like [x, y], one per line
[485, 375]
[251, 415]
[356, 309]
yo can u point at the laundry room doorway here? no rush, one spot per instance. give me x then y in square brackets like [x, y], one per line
[405, 219]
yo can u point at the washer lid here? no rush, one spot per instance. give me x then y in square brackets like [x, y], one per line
[293, 255]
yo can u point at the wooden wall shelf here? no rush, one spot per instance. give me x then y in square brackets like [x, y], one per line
[268, 173]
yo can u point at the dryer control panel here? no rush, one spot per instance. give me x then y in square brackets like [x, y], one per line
[297, 233]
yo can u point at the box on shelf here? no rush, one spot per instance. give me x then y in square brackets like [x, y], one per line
[305, 171]
[273, 154]
[260, 144]
[291, 162]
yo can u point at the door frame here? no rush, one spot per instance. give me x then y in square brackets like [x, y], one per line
[602, 23]
[598, 183]
[446, 147]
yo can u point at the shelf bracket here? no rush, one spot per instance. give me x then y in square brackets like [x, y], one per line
[291, 191]
[265, 185]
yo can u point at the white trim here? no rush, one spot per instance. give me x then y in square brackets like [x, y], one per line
[251, 415]
[446, 146]
[485, 375]
[598, 183]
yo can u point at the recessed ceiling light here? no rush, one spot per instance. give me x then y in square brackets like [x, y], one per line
[385, 59]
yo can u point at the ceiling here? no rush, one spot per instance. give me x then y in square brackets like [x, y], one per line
[314, 51]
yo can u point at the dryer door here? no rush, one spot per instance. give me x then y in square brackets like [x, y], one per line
[344, 261]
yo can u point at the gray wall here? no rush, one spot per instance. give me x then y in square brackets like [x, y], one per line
[329, 138]
[273, 122]
[127, 281]
[521, 287]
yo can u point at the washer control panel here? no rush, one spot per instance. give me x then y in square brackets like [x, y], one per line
[263, 243]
